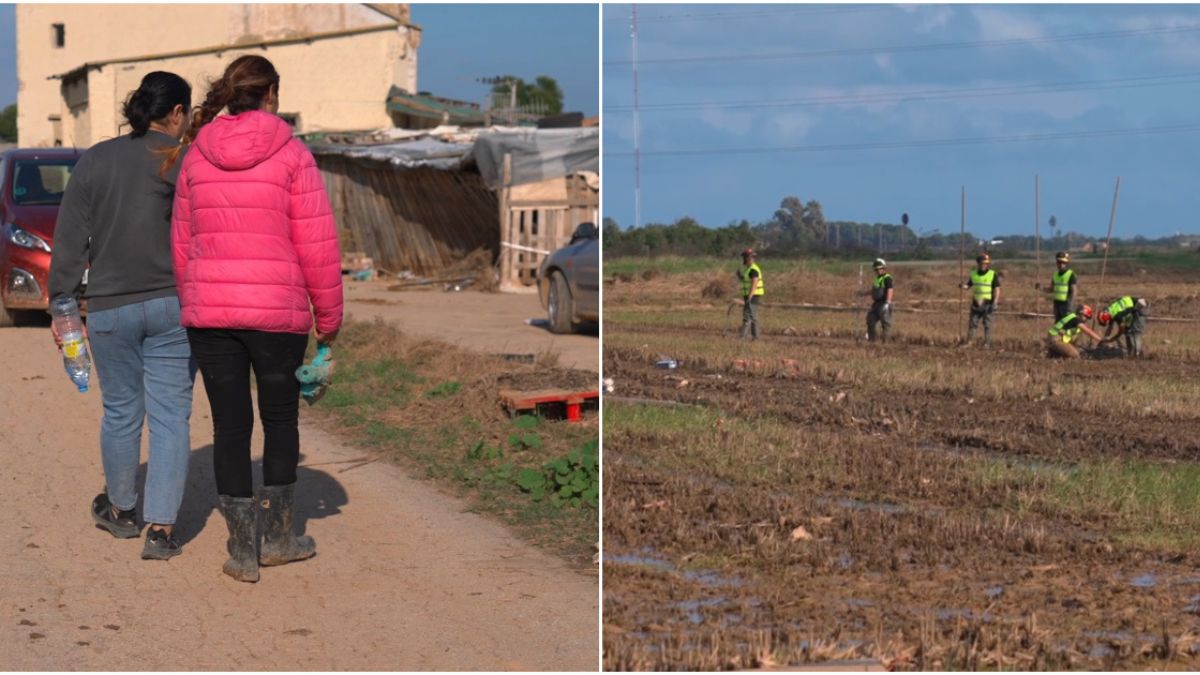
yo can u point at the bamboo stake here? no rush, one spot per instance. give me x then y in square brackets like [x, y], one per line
[1037, 223]
[962, 237]
[1112, 217]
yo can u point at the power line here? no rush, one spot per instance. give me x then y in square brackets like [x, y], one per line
[1019, 138]
[861, 51]
[775, 12]
[929, 94]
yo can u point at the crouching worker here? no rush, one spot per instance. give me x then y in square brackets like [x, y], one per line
[1060, 343]
[1128, 315]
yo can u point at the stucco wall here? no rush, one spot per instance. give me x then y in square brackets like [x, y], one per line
[104, 32]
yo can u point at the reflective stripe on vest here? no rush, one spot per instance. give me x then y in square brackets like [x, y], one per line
[1062, 285]
[1060, 329]
[981, 284]
[1122, 305]
[746, 280]
[879, 293]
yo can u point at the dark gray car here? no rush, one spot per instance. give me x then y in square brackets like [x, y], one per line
[569, 281]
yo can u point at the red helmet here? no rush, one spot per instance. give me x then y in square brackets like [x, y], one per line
[1086, 312]
[748, 253]
[1104, 318]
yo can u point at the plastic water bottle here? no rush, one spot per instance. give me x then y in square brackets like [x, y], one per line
[65, 313]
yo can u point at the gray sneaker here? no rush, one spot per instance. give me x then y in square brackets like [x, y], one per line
[160, 545]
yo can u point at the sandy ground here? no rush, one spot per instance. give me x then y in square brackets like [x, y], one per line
[404, 579]
[455, 318]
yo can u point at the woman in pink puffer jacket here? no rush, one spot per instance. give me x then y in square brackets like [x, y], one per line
[255, 243]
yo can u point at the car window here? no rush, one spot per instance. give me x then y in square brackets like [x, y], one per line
[40, 182]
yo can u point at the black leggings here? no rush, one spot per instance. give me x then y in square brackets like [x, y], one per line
[225, 358]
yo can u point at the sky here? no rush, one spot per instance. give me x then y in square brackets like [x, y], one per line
[740, 105]
[461, 43]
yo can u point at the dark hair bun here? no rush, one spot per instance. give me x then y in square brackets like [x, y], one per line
[154, 99]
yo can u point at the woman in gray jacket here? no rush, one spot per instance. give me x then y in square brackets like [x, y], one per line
[116, 212]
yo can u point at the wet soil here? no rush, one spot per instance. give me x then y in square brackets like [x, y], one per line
[817, 517]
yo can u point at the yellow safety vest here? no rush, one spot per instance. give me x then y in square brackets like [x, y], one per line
[1121, 305]
[1060, 329]
[744, 275]
[879, 294]
[1062, 285]
[981, 284]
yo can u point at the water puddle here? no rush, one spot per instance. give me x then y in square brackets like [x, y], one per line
[641, 560]
[860, 505]
[994, 592]
[1144, 581]
[979, 453]
[1193, 606]
[945, 614]
[692, 608]
[712, 579]
[1101, 651]
[647, 558]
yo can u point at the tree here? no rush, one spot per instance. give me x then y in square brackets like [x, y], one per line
[8, 124]
[543, 92]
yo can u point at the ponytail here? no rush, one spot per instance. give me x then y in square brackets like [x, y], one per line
[244, 85]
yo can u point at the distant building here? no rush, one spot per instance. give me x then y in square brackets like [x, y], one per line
[338, 62]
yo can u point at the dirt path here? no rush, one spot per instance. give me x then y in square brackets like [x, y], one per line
[488, 322]
[404, 579]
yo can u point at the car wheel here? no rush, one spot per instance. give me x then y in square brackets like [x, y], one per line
[561, 311]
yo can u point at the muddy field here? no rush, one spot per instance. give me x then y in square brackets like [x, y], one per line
[813, 497]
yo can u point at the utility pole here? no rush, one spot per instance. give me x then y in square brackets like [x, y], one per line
[637, 131]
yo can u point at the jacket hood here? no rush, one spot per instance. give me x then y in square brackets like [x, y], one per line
[236, 142]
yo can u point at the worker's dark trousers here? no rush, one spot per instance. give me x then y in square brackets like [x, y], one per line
[981, 313]
[1134, 333]
[226, 358]
[1061, 309]
[879, 314]
[750, 317]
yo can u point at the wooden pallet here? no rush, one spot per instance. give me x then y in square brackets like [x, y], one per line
[518, 401]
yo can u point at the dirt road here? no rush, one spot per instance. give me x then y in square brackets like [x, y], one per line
[488, 322]
[403, 579]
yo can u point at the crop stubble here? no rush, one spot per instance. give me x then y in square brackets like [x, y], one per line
[929, 506]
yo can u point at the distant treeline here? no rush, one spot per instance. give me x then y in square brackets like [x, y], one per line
[800, 228]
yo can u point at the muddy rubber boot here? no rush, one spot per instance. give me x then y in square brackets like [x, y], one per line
[279, 545]
[241, 515]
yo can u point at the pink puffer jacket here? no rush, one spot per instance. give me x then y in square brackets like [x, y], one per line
[252, 231]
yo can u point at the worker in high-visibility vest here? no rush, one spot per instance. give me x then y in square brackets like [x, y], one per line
[751, 279]
[881, 292]
[1060, 342]
[1127, 315]
[1062, 286]
[984, 284]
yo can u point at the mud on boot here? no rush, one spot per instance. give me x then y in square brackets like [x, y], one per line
[241, 515]
[279, 544]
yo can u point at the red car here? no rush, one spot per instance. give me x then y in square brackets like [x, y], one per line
[32, 182]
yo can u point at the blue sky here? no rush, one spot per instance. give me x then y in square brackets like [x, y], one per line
[1025, 79]
[461, 43]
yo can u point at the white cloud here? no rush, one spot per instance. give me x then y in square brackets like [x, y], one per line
[930, 17]
[736, 123]
[791, 126]
[998, 24]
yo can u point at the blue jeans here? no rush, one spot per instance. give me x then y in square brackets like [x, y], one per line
[145, 366]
